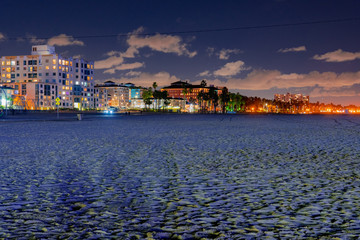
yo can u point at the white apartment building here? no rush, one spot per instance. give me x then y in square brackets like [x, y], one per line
[118, 94]
[38, 79]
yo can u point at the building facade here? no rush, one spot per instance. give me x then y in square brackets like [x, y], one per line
[187, 91]
[38, 79]
[118, 95]
[291, 98]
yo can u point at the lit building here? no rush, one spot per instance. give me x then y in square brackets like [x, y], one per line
[290, 98]
[101, 98]
[186, 90]
[118, 94]
[38, 79]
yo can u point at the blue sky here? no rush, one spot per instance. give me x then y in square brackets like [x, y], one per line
[321, 60]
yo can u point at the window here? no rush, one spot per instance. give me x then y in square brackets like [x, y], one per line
[24, 62]
[47, 90]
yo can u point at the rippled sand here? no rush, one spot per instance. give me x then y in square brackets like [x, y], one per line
[181, 177]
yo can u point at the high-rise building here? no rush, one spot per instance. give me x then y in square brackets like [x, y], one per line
[38, 79]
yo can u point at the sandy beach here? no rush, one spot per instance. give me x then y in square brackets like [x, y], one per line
[181, 177]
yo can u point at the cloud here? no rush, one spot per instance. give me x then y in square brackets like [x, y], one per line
[125, 66]
[293, 49]
[225, 53]
[230, 69]
[34, 40]
[115, 58]
[109, 62]
[338, 56]
[2, 37]
[260, 79]
[347, 91]
[147, 79]
[133, 74]
[160, 42]
[205, 73]
[64, 40]
[210, 51]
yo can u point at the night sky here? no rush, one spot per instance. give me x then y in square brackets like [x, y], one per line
[322, 60]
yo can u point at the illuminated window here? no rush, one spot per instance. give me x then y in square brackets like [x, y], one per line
[8, 75]
[70, 64]
[54, 61]
[54, 67]
[8, 63]
[13, 63]
[47, 67]
[8, 69]
[3, 63]
[59, 61]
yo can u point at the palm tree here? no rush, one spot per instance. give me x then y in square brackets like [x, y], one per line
[224, 98]
[184, 92]
[147, 94]
[154, 85]
[203, 83]
[213, 97]
[200, 98]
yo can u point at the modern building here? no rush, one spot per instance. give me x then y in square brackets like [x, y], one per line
[291, 98]
[118, 94]
[38, 79]
[101, 98]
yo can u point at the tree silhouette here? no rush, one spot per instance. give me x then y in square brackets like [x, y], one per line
[224, 99]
